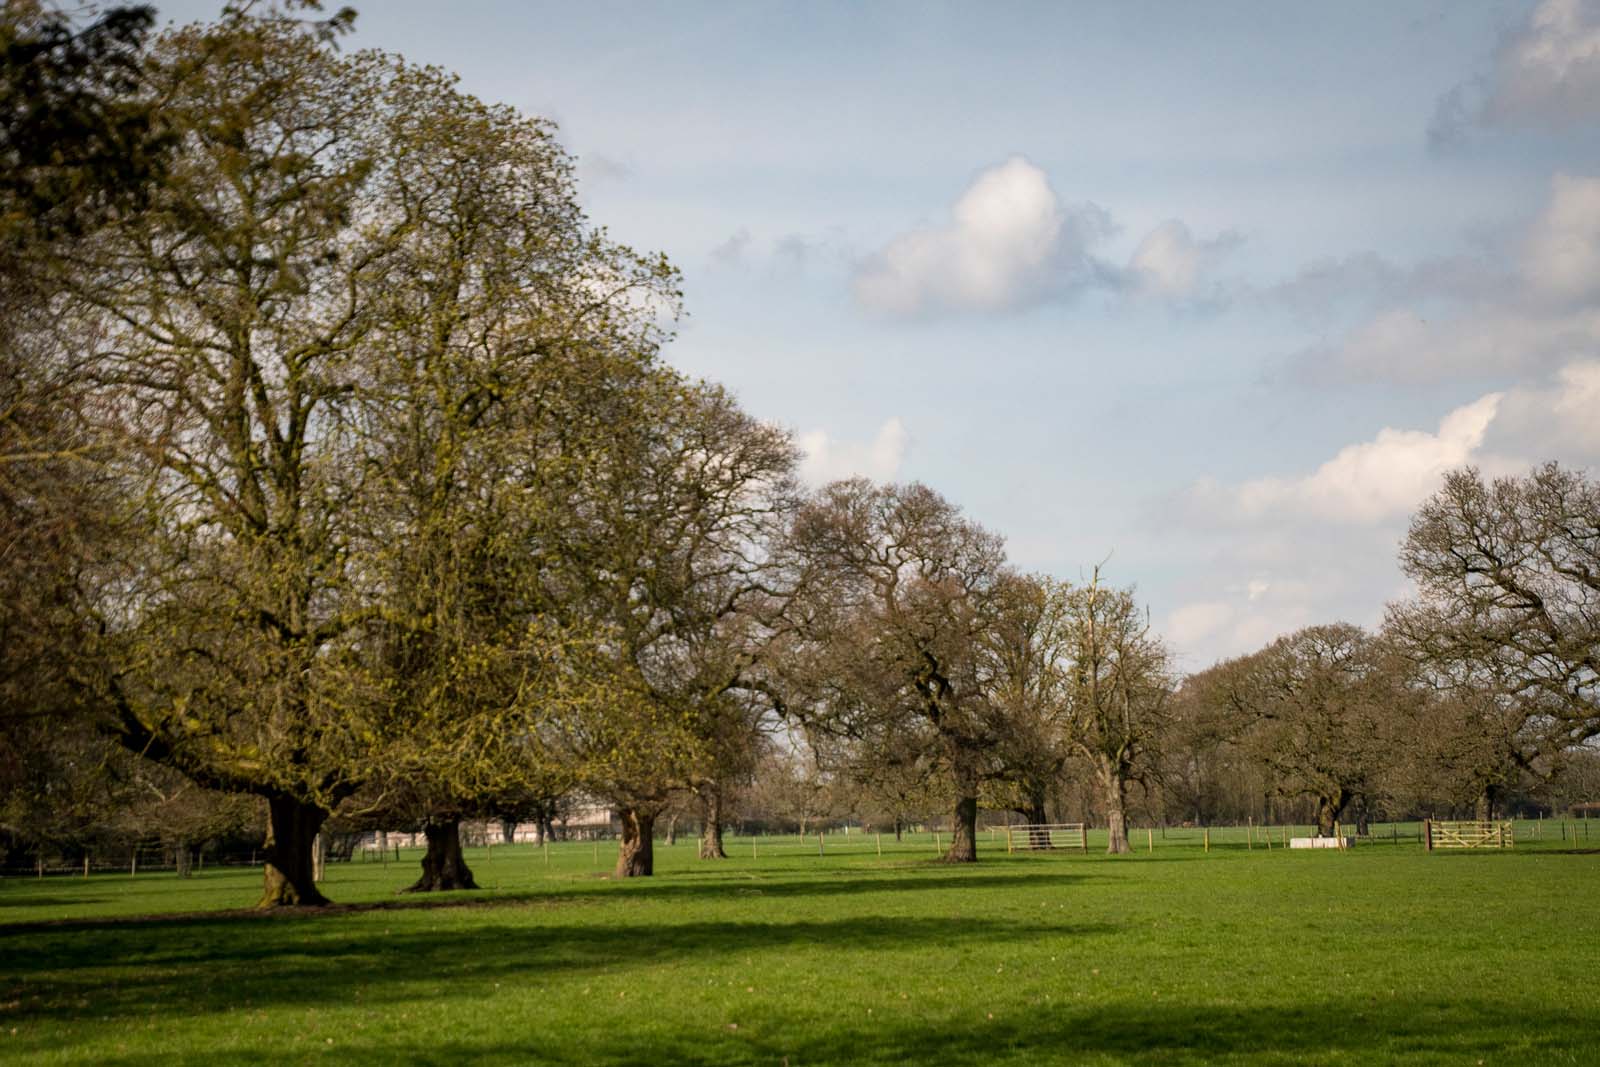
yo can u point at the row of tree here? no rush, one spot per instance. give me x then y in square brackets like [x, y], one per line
[340, 468]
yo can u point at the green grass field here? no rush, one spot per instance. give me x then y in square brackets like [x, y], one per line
[1382, 954]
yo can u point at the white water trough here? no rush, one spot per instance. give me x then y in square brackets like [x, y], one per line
[1319, 842]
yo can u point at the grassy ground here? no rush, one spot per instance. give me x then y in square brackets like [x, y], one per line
[1380, 954]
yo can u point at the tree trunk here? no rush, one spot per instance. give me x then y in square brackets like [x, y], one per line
[508, 831]
[291, 828]
[443, 866]
[711, 823]
[1484, 809]
[1114, 787]
[180, 857]
[672, 829]
[964, 829]
[547, 831]
[1329, 808]
[898, 825]
[1035, 815]
[636, 855]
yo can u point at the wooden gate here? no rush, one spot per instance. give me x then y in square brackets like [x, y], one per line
[1467, 834]
[1047, 835]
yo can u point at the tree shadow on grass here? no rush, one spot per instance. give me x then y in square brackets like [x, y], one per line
[9, 900]
[142, 972]
[1312, 1032]
[699, 887]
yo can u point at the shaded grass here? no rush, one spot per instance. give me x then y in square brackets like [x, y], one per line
[1382, 954]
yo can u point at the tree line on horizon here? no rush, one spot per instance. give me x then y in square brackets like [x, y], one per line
[342, 476]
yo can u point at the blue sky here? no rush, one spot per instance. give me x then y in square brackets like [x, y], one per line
[1216, 291]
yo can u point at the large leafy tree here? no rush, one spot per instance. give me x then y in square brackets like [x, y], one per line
[80, 146]
[510, 348]
[670, 559]
[350, 351]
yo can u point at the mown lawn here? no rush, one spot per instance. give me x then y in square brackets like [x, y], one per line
[1381, 954]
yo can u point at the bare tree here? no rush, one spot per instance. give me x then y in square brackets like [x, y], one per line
[1118, 685]
[1312, 707]
[1508, 581]
[891, 627]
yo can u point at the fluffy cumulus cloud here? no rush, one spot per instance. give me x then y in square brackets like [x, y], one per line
[827, 459]
[1009, 243]
[1270, 555]
[1546, 73]
[1366, 482]
[1527, 304]
[1557, 419]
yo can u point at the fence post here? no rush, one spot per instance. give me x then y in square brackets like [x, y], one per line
[819, 842]
[86, 864]
[1427, 835]
[1149, 841]
[1206, 835]
[936, 841]
[879, 838]
[133, 863]
[1249, 833]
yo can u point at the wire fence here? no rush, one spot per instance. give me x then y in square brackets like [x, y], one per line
[600, 854]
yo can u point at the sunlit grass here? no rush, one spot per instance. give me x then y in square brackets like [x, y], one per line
[1380, 954]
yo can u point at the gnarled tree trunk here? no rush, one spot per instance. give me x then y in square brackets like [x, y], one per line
[1483, 811]
[711, 823]
[292, 826]
[964, 831]
[636, 854]
[1329, 807]
[1114, 790]
[1033, 814]
[508, 831]
[443, 866]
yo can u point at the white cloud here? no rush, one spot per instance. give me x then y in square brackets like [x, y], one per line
[1010, 243]
[826, 459]
[1167, 261]
[1270, 555]
[1557, 420]
[1561, 253]
[1546, 73]
[1526, 305]
[1367, 482]
[1170, 263]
